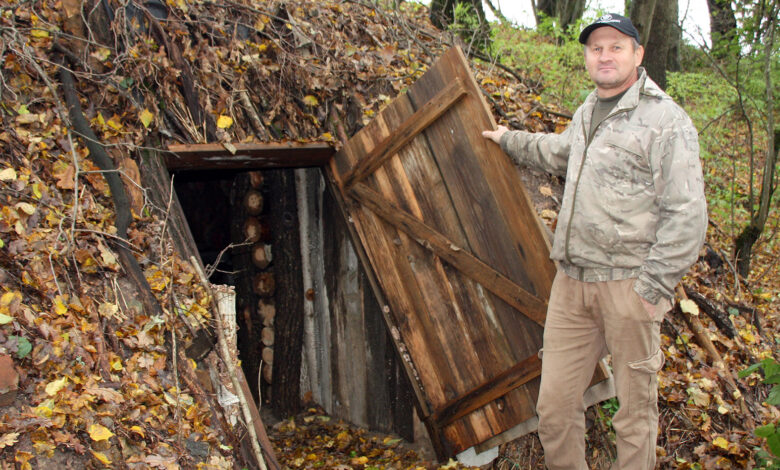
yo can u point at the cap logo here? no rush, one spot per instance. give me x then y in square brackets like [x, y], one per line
[608, 19]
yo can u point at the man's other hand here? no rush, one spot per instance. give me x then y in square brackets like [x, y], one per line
[495, 135]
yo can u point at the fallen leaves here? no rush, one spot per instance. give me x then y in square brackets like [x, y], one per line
[98, 432]
[315, 440]
[9, 439]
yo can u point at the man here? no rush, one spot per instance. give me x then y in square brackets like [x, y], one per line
[632, 221]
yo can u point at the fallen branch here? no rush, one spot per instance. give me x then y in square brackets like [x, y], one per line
[717, 360]
[717, 315]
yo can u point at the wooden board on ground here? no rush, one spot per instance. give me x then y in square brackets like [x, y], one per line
[459, 254]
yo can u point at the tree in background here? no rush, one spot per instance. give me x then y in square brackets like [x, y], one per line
[443, 11]
[660, 34]
[723, 26]
[466, 18]
[754, 72]
[567, 12]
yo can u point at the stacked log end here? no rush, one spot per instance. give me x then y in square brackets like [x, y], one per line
[256, 231]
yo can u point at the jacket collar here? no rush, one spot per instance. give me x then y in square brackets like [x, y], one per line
[630, 100]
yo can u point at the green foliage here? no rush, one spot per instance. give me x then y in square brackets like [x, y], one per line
[770, 432]
[470, 25]
[556, 67]
[21, 344]
[610, 407]
[466, 17]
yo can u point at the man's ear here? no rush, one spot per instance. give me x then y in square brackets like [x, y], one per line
[639, 54]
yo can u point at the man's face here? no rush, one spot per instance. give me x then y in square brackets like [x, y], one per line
[611, 60]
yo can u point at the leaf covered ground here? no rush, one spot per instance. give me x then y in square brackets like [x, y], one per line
[96, 379]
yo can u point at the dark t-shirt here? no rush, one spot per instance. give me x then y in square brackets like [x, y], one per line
[602, 109]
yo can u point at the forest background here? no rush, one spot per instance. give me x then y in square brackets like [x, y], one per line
[725, 74]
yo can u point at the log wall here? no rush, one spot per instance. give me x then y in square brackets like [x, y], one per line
[320, 332]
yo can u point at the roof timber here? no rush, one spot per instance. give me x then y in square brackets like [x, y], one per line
[255, 156]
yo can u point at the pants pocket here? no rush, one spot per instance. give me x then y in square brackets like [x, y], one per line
[651, 365]
[643, 383]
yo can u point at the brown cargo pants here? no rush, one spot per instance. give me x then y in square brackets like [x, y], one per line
[585, 321]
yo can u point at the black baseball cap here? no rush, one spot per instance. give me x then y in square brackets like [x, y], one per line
[619, 22]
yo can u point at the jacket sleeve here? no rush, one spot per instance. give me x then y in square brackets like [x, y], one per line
[546, 152]
[682, 222]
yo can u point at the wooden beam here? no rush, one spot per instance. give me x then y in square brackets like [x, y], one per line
[492, 280]
[519, 374]
[407, 131]
[255, 156]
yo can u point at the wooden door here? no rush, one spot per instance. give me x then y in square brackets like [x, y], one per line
[458, 252]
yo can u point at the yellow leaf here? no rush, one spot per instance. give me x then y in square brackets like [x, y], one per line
[9, 439]
[53, 387]
[116, 363]
[224, 121]
[98, 432]
[115, 123]
[36, 188]
[8, 297]
[23, 459]
[156, 279]
[545, 190]
[8, 174]
[146, 117]
[59, 306]
[747, 336]
[44, 447]
[310, 100]
[39, 33]
[721, 442]
[689, 306]
[101, 54]
[4, 319]
[138, 430]
[101, 457]
[25, 207]
[45, 409]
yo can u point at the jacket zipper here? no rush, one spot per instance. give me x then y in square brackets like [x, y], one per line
[579, 176]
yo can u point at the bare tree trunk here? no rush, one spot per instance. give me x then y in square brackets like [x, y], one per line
[660, 34]
[743, 245]
[723, 26]
[443, 11]
[567, 12]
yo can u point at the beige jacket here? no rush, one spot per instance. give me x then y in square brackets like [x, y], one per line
[633, 204]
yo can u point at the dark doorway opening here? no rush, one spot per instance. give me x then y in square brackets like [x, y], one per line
[214, 204]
